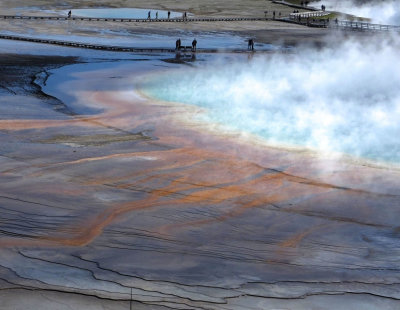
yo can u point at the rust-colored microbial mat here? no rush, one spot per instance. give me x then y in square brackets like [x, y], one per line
[142, 207]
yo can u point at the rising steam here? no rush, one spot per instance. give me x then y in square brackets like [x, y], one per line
[379, 11]
[344, 99]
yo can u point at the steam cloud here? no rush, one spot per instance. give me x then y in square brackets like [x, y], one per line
[344, 99]
[379, 11]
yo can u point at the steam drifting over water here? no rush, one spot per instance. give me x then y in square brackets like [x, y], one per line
[379, 11]
[344, 99]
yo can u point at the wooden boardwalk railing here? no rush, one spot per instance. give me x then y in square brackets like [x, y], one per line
[88, 45]
[299, 18]
[361, 26]
[135, 20]
[308, 19]
[184, 49]
[308, 14]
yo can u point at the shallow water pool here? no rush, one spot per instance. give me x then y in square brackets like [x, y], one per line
[122, 13]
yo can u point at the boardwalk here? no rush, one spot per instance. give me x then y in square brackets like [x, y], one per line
[321, 19]
[311, 14]
[360, 26]
[293, 18]
[184, 49]
[93, 46]
[304, 18]
[136, 20]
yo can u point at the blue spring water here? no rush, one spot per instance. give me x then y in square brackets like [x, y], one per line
[331, 101]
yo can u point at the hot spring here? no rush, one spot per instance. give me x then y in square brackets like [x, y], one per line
[343, 100]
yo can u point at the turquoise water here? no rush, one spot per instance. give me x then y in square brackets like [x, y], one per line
[328, 101]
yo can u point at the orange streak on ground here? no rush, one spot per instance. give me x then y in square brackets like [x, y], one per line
[83, 235]
[207, 178]
[295, 240]
[96, 226]
[205, 194]
[42, 124]
[208, 190]
[238, 209]
[161, 154]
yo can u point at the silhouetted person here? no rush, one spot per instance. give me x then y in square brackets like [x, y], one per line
[169, 14]
[273, 14]
[250, 45]
[156, 15]
[185, 16]
[178, 44]
[69, 14]
[149, 15]
[194, 45]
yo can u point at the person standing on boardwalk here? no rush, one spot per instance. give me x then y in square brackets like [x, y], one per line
[69, 14]
[156, 15]
[178, 44]
[194, 45]
[250, 46]
[149, 15]
[169, 14]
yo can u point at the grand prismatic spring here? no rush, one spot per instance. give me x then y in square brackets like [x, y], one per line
[222, 178]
